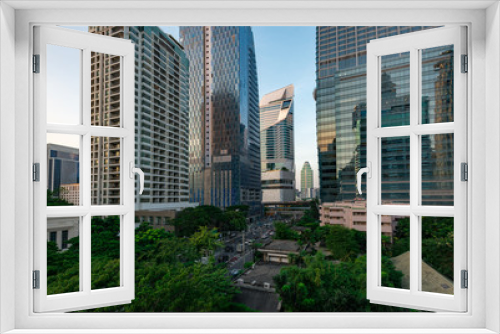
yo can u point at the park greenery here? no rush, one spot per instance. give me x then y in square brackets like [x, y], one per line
[169, 274]
[189, 220]
[176, 272]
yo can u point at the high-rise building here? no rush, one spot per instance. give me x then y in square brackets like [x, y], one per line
[341, 115]
[161, 119]
[277, 145]
[306, 181]
[224, 145]
[63, 164]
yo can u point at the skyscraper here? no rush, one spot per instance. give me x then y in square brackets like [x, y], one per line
[277, 145]
[224, 145]
[306, 181]
[341, 110]
[63, 167]
[161, 119]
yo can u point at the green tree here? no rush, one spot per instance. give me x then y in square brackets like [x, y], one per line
[206, 240]
[189, 220]
[283, 231]
[243, 209]
[437, 242]
[342, 243]
[169, 277]
[323, 286]
[233, 221]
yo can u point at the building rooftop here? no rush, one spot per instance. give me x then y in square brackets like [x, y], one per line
[432, 280]
[283, 245]
[262, 273]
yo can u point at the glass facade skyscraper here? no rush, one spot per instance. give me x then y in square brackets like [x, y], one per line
[224, 149]
[277, 145]
[341, 115]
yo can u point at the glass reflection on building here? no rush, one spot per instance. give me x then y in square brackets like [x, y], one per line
[341, 116]
[224, 116]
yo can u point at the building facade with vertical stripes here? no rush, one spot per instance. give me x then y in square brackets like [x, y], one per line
[224, 144]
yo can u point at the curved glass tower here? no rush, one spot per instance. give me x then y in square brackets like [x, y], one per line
[224, 149]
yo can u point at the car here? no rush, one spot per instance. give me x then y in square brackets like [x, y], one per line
[234, 272]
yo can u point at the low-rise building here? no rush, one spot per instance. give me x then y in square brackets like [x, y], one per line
[61, 230]
[279, 250]
[353, 216]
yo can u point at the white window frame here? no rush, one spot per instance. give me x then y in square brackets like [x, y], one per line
[413, 43]
[483, 20]
[86, 43]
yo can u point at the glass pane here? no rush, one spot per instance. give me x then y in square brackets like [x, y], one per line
[63, 169]
[395, 89]
[105, 236]
[105, 170]
[437, 169]
[63, 255]
[437, 84]
[395, 170]
[105, 89]
[437, 254]
[395, 247]
[63, 85]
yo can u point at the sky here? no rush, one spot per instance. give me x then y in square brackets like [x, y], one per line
[285, 55]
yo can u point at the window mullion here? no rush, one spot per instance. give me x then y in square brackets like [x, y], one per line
[414, 172]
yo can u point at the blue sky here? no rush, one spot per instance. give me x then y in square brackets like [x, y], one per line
[285, 55]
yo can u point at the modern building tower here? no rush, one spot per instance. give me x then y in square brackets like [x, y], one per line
[306, 181]
[161, 119]
[341, 108]
[63, 167]
[277, 145]
[224, 144]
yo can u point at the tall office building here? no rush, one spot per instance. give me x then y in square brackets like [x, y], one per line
[161, 119]
[277, 145]
[306, 182]
[63, 164]
[224, 149]
[341, 115]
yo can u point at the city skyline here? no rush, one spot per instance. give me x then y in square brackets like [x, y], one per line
[274, 72]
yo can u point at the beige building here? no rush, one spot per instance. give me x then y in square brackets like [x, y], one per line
[60, 230]
[353, 216]
[161, 123]
[70, 193]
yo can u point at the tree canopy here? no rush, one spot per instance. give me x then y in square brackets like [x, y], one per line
[169, 275]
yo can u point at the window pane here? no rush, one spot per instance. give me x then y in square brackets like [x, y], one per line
[63, 85]
[63, 255]
[105, 258]
[395, 248]
[437, 84]
[395, 170]
[105, 170]
[437, 169]
[395, 89]
[63, 169]
[105, 89]
[437, 254]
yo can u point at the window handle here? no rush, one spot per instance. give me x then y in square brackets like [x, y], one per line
[135, 170]
[368, 171]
